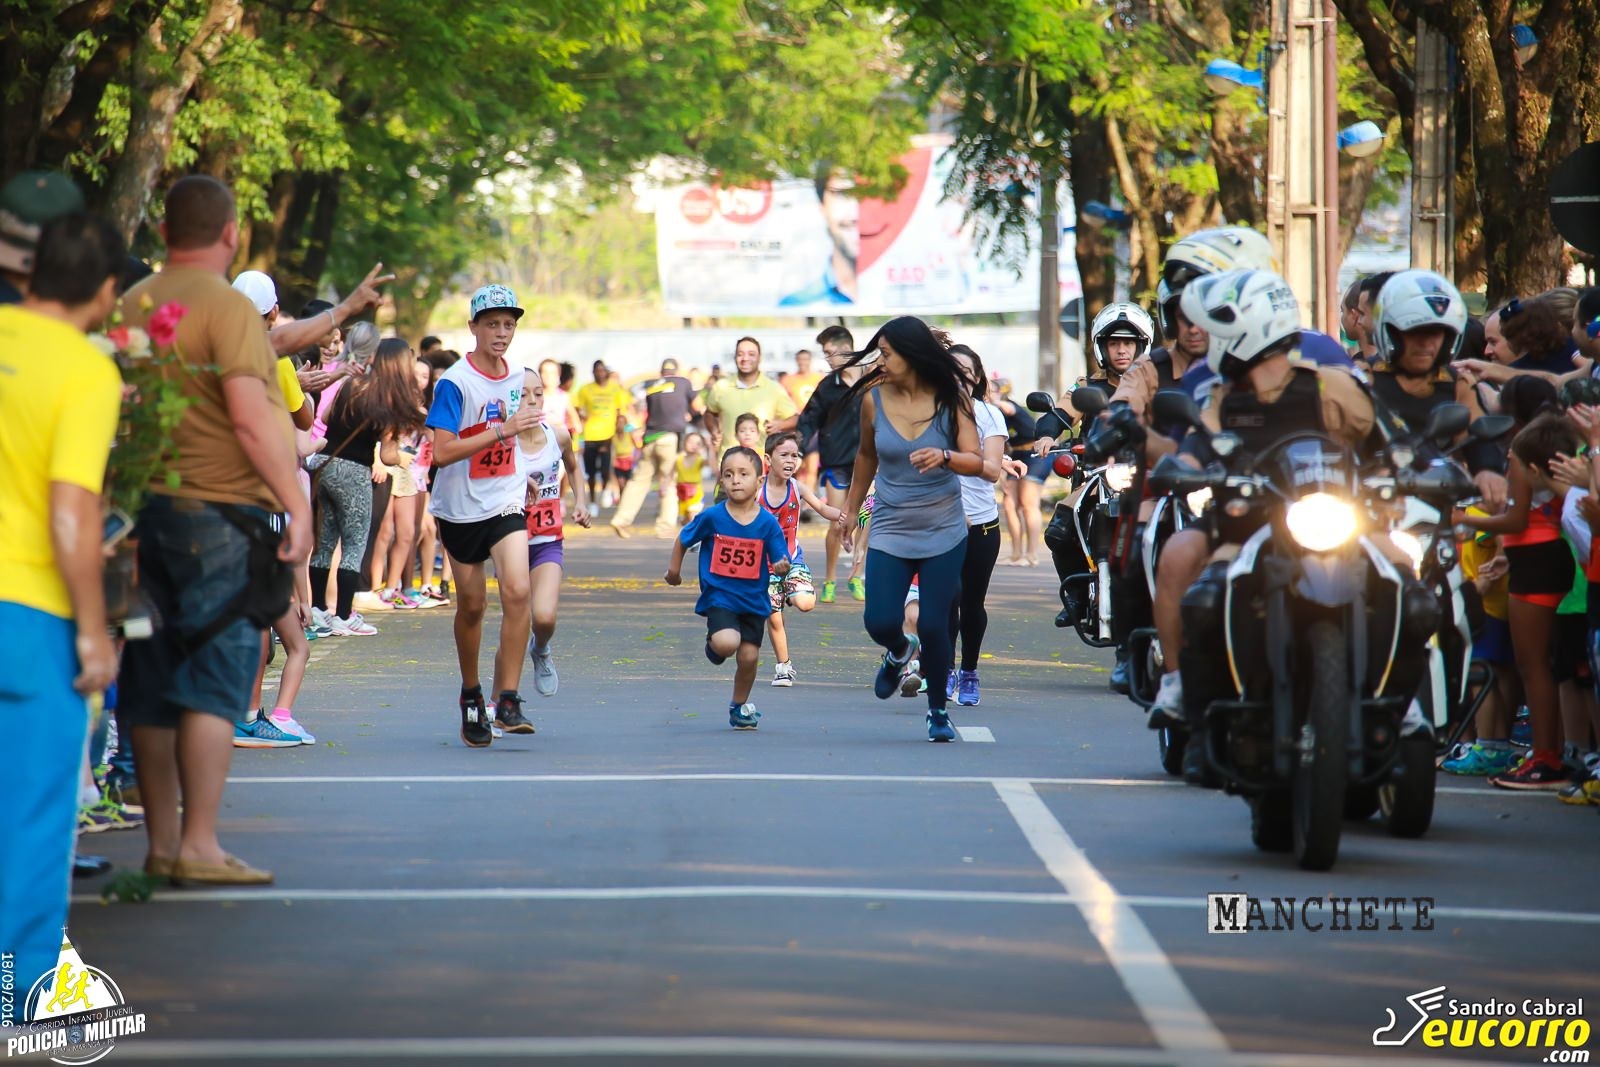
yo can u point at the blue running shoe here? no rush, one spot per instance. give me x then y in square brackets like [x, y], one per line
[743, 716]
[262, 732]
[953, 684]
[967, 695]
[1480, 762]
[939, 728]
[889, 671]
[1522, 728]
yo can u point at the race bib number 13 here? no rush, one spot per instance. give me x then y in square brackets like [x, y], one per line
[736, 557]
[544, 518]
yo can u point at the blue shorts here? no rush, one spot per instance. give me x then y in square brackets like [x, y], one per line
[192, 563]
[546, 552]
[43, 728]
[837, 477]
[1493, 645]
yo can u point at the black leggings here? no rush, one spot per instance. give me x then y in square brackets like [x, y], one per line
[349, 585]
[938, 581]
[969, 619]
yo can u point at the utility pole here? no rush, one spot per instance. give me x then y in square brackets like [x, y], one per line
[1049, 284]
[1302, 154]
[1432, 150]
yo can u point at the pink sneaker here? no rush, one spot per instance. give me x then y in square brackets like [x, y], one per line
[396, 600]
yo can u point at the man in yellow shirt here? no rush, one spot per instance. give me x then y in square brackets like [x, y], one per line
[59, 403]
[747, 391]
[599, 403]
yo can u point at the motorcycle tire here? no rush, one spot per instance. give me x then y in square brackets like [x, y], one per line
[1407, 801]
[1319, 786]
[1272, 821]
[1172, 743]
[1360, 802]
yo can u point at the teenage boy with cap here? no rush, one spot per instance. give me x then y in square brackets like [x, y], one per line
[27, 202]
[479, 492]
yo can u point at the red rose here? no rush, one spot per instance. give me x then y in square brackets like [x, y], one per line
[163, 325]
[119, 336]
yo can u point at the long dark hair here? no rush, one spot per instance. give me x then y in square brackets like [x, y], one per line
[386, 396]
[927, 353]
[977, 368]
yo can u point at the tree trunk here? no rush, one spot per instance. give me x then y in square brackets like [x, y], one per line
[1146, 228]
[160, 85]
[1096, 251]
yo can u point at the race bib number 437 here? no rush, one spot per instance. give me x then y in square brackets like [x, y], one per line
[736, 557]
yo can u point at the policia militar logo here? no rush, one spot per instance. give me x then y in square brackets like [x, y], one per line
[1240, 913]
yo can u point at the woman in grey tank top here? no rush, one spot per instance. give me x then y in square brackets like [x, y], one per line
[917, 435]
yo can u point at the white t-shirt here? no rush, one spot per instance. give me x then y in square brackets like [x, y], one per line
[544, 475]
[1574, 525]
[977, 492]
[492, 482]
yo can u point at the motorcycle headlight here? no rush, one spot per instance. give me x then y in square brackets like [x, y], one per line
[1119, 476]
[1321, 522]
[1198, 500]
[1407, 542]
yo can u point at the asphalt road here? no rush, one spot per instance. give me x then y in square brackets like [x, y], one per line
[640, 883]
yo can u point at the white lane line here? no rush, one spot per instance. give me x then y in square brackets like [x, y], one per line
[604, 894]
[651, 1049]
[475, 779]
[975, 733]
[1176, 1019]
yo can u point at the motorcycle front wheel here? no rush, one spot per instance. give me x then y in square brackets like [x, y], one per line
[1319, 784]
[1407, 800]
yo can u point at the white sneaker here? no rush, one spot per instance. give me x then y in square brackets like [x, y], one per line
[783, 675]
[291, 726]
[354, 626]
[1167, 710]
[370, 602]
[545, 679]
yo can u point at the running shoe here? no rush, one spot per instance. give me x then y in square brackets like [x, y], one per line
[1580, 794]
[354, 626]
[261, 732]
[783, 675]
[108, 815]
[912, 682]
[291, 726]
[545, 680]
[433, 593]
[420, 599]
[508, 715]
[743, 716]
[1534, 773]
[952, 684]
[939, 727]
[967, 694]
[396, 600]
[475, 730]
[828, 589]
[1121, 677]
[889, 671]
[1479, 761]
[1167, 711]
[858, 588]
[1522, 728]
[370, 602]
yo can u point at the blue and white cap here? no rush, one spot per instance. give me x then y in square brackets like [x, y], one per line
[494, 298]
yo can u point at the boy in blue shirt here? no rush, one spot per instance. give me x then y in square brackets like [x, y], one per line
[741, 546]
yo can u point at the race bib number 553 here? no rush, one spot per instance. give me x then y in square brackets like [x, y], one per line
[736, 557]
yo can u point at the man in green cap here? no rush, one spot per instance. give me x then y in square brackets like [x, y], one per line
[27, 202]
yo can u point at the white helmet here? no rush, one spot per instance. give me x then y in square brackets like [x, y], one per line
[1122, 320]
[1245, 313]
[1413, 299]
[1209, 252]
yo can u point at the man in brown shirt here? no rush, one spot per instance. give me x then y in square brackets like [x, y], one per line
[235, 463]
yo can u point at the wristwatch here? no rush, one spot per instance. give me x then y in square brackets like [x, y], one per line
[946, 462]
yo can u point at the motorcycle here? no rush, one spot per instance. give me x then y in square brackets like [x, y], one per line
[1313, 678]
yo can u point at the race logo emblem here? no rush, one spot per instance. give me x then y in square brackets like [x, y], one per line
[1524, 1025]
[1424, 1003]
[74, 1013]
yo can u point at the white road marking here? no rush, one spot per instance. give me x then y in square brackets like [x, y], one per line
[604, 894]
[652, 1049]
[1176, 1019]
[475, 779]
[975, 733]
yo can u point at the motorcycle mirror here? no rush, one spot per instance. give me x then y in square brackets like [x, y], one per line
[1447, 422]
[1088, 400]
[1175, 405]
[1402, 455]
[1491, 427]
[1039, 402]
[1225, 444]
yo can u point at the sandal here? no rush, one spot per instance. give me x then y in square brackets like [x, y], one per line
[231, 871]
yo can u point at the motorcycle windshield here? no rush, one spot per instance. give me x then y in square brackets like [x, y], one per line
[1312, 465]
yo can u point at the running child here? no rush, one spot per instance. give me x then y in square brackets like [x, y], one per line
[742, 546]
[747, 431]
[547, 452]
[691, 478]
[479, 492]
[794, 588]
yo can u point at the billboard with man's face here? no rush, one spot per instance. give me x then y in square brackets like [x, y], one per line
[799, 247]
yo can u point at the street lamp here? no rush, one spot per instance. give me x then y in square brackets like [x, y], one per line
[1361, 140]
[1223, 76]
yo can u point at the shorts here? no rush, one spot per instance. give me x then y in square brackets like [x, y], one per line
[1039, 467]
[1569, 649]
[473, 542]
[752, 628]
[546, 552]
[597, 459]
[781, 590]
[837, 477]
[1541, 574]
[192, 563]
[913, 594]
[1494, 644]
